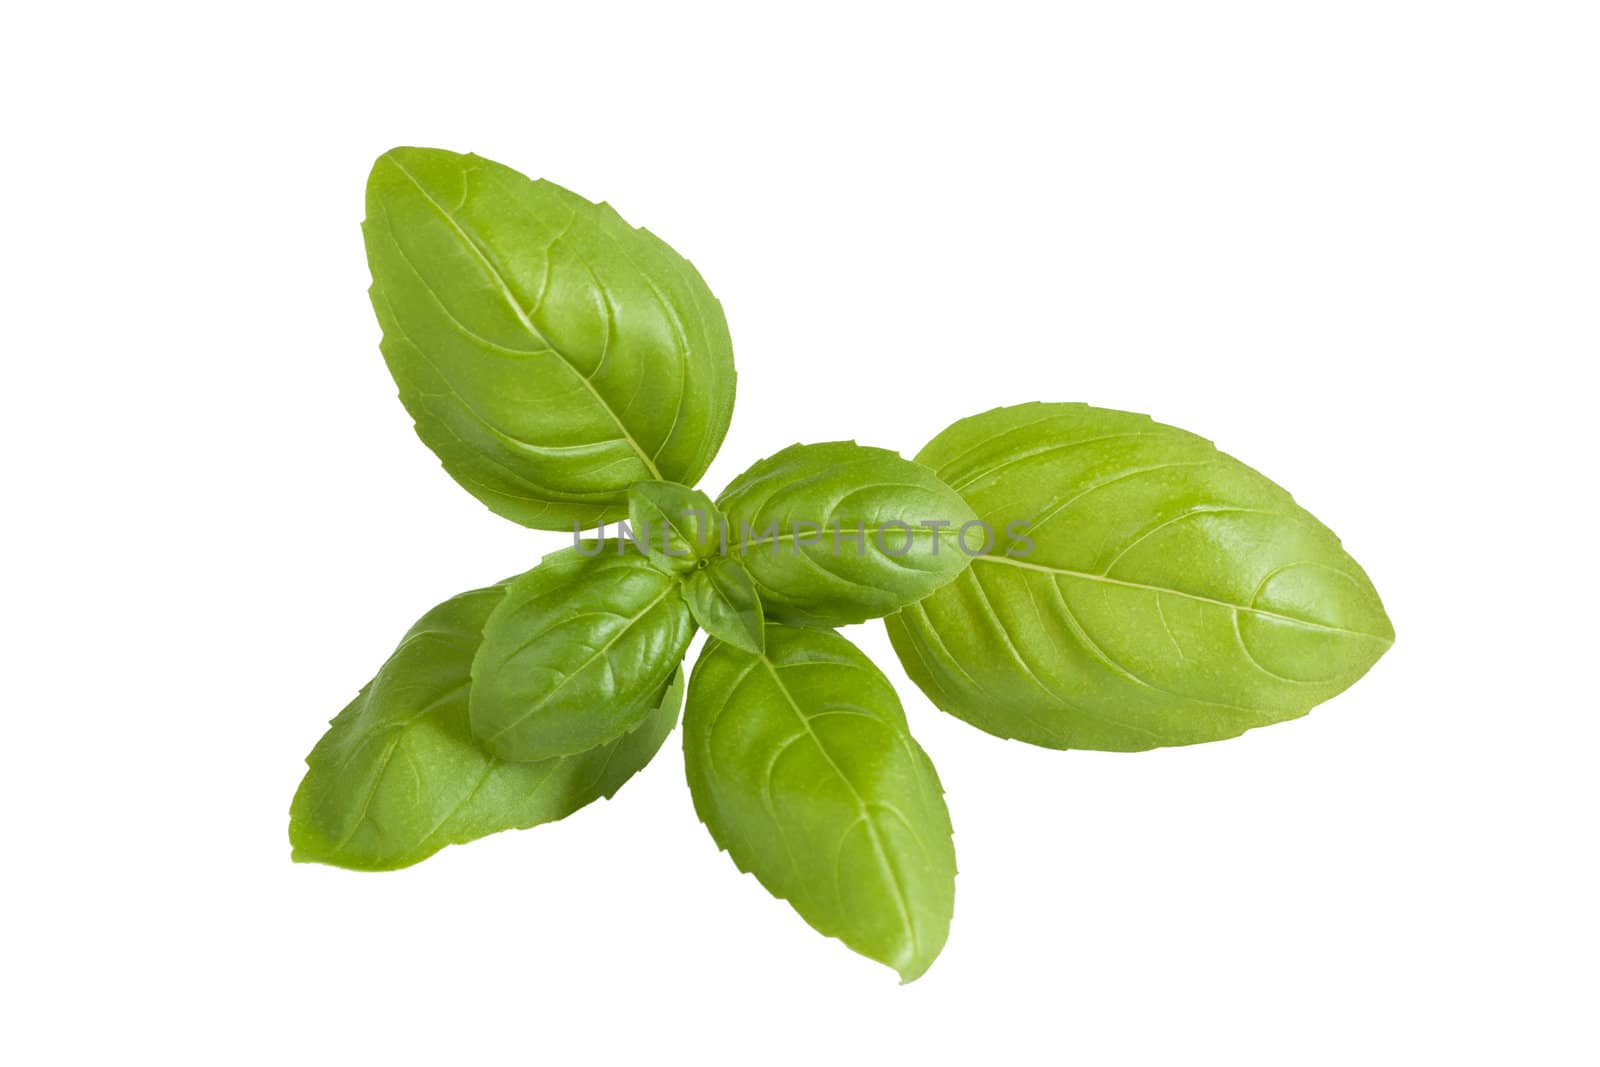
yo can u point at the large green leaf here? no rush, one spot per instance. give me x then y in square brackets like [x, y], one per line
[838, 533]
[550, 354]
[398, 775]
[1163, 593]
[802, 768]
[576, 652]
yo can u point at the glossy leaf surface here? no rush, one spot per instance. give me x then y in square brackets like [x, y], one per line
[398, 775]
[549, 353]
[576, 652]
[801, 766]
[838, 533]
[1164, 593]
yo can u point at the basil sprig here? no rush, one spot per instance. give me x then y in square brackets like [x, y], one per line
[1069, 576]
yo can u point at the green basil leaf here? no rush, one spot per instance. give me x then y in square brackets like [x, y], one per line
[576, 652]
[398, 776]
[723, 600]
[550, 354]
[838, 533]
[1162, 593]
[675, 526]
[802, 768]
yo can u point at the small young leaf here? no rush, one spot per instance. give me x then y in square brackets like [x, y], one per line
[801, 766]
[550, 354]
[398, 775]
[723, 600]
[1161, 593]
[676, 527]
[576, 652]
[838, 533]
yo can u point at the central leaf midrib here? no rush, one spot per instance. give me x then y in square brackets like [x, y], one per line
[840, 535]
[1107, 580]
[902, 902]
[527, 323]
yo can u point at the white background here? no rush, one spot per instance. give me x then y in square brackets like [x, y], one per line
[1354, 243]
